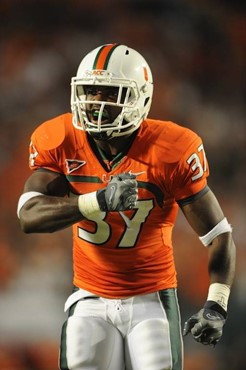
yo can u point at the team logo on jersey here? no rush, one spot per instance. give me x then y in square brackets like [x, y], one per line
[73, 164]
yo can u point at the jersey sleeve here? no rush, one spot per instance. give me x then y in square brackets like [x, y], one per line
[44, 146]
[191, 172]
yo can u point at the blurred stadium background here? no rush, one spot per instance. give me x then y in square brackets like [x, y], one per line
[197, 52]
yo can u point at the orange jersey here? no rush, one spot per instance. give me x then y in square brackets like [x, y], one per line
[111, 259]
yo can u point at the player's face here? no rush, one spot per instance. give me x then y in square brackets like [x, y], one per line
[103, 93]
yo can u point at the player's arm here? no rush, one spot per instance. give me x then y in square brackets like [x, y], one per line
[203, 215]
[43, 206]
[207, 219]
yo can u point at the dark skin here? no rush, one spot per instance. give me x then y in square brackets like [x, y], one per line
[54, 211]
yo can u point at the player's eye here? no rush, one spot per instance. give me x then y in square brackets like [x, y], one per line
[89, 90]
[109, 93]
[112, 93]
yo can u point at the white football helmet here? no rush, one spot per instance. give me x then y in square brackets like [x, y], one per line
[113, 65]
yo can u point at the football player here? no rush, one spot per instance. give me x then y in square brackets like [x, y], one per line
[118, 178]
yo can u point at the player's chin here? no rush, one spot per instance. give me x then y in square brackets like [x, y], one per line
[103, 122]
[101, 136]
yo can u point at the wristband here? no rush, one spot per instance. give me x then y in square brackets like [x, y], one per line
[88, 204]
[219, 293]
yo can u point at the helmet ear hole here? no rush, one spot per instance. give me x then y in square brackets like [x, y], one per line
[146, 101]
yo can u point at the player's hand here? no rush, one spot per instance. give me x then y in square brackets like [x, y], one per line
[121, 193]
[207, 325]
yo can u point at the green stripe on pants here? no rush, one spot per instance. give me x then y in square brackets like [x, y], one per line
[169, 301]
[63, 347]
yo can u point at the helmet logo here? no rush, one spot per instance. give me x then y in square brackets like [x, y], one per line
[96, 72]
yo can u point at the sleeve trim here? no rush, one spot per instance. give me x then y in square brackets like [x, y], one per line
[192, 198]
[43, 169]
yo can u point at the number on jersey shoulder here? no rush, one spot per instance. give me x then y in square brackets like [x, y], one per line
[195, 161]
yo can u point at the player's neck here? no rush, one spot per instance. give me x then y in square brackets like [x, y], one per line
[116, 145]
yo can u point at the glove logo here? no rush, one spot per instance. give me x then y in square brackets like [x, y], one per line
[211, 317]
[112, 192]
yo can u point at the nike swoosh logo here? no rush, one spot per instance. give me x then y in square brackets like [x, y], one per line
[212, 317]
[112, 191]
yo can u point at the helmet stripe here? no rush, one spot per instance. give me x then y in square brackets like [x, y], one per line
[103, 56]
